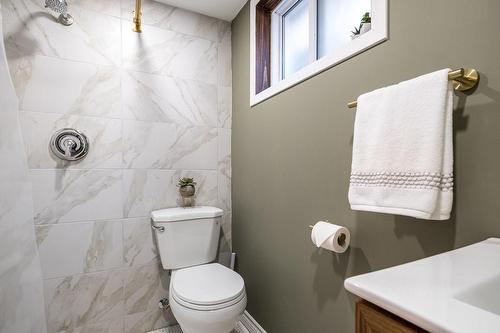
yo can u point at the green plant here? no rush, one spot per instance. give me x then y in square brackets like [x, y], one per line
[366, 18]
[186, 181]
[356, 31]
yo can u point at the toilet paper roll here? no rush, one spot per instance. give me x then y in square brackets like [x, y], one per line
[330, 236]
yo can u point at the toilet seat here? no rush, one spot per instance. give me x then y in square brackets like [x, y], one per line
[207, 287]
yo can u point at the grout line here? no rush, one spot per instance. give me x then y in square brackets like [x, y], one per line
[62, 115]
[66, 169]
[123, 268]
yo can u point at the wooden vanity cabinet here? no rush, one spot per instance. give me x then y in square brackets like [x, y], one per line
[373, 319]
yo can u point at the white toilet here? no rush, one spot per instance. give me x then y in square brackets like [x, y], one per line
[204, 297]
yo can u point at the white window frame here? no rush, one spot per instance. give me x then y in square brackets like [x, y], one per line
[378, 33]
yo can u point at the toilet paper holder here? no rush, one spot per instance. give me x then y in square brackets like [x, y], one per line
[311, 226]
[341, 240]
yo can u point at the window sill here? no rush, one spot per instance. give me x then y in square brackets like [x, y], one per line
[360, 44]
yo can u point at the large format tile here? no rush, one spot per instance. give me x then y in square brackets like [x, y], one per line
[104, 137]
[225, 241]
[176, 19]
[139, 246]
[76, 195]
[224, 168]
[52, 85]
[108, 7]
[72, 248]
[30, 29]
[159, 51]
[147, 190]
[78, 300]
[225, 107]
[224, 57]
[164, 99]
[148, 321]
[169, 146]
[112, 326]
[21, 293]
[144, 287]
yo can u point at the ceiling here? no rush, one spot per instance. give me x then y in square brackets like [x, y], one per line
[222, 9]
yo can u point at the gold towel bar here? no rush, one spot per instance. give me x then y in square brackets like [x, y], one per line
[463, 79]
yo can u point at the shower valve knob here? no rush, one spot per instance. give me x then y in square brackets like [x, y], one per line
[69, 144]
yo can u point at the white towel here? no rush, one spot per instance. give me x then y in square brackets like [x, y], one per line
[402, 160]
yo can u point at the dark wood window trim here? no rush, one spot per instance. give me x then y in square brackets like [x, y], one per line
[263, 13]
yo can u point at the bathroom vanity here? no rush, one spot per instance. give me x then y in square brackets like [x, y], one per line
[453, 292]
[373, 319]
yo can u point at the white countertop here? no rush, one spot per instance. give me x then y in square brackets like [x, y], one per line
[456, 291]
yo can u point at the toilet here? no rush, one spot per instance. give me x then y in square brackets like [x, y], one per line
[205, 297]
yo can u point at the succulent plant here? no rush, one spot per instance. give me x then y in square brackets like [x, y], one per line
[366, 18]
[356, 31]
[186, 181]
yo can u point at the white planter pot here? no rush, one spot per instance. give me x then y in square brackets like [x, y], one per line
[365, 27]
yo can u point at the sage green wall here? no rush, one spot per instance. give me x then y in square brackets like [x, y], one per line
[292, 154]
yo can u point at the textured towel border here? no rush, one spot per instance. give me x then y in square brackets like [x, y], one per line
[411, 180]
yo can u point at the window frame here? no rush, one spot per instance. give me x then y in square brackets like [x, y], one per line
[377, 35]
[277, 36]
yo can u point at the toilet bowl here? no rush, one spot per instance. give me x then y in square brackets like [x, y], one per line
[207, 298]
[204, 297]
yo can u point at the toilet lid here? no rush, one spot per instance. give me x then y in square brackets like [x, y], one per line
[207, 284]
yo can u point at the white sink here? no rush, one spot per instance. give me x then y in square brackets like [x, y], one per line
[456, 291]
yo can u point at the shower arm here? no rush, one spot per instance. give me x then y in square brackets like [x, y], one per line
[137, 16]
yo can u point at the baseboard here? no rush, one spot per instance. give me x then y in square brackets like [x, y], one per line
[246, 325]
[251, 324]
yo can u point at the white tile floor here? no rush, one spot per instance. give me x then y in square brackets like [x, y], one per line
[177, 329]
[245, 325]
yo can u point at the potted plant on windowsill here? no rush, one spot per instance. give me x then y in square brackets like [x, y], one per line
[364, 26]
[356, 32]
[366, 23]
[187, 190]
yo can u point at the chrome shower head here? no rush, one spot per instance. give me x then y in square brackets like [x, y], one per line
[61, 7]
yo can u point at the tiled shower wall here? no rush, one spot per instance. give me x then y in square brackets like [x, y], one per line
[21, 290]
[156, 106]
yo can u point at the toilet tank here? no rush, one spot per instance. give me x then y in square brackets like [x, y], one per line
[187, 236]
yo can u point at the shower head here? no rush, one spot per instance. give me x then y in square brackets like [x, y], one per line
[61, 7]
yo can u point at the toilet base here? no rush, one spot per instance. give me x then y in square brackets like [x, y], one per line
[212, 321]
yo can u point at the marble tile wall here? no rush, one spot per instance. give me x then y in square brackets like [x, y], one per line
[156, 106]
[21, 289]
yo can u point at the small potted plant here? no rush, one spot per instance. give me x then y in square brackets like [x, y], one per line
[366, 23]
[356, 32]
[187, 189]
[364, 26]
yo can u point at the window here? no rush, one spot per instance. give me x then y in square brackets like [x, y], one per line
[294, 29]
[335, 33]
[292, 40]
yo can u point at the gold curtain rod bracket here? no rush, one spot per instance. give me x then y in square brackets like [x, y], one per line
[463, 79]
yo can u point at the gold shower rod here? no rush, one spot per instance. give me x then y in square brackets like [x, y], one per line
[463, 79]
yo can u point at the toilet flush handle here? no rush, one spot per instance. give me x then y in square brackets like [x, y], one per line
[158, 228]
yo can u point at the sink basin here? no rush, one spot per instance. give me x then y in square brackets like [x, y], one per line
[457, 291]
[485, 295]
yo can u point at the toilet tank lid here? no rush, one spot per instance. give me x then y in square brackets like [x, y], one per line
[185, 213]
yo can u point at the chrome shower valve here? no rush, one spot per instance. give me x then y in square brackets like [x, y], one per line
[69, 144]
